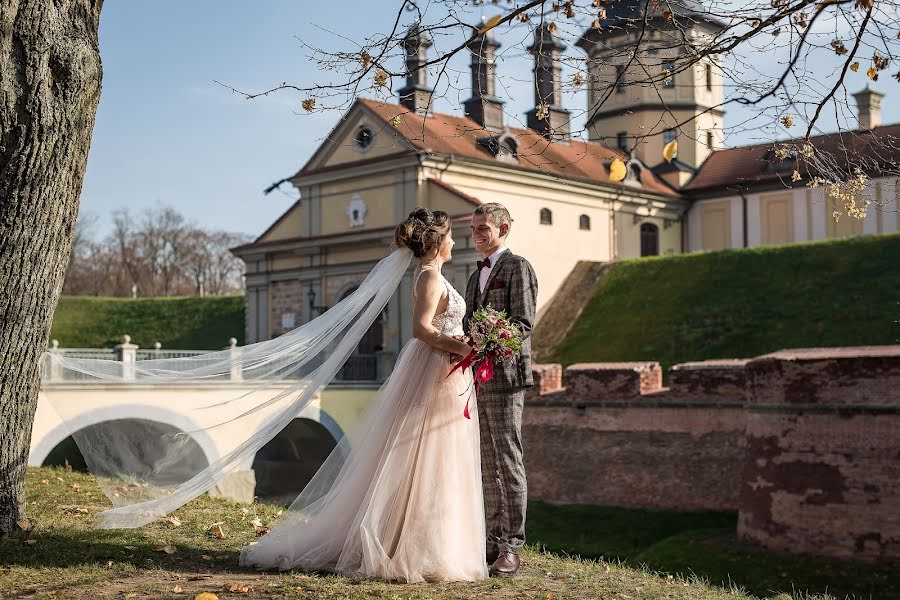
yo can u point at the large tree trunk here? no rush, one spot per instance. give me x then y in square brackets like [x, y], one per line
[49, 89]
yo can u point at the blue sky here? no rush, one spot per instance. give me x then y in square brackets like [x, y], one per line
[167, 134]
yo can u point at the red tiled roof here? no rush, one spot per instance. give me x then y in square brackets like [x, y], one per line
[450, 134]
[745, 166]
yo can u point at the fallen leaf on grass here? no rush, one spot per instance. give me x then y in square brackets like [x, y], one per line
[162, 548]
[45, 481]
[177, 589]
[206, 557]
[238, 588]
[131, 595]
[130, 547]
[199, 577]
[260, 528]
[109, 564]
[174, 521]
[30, 542]
[75, 486]
[206, 596]
[58, 594]
[216, 531]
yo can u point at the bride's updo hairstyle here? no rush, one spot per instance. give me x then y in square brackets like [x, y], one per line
[423, 231]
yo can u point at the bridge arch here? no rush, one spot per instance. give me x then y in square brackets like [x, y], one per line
[284, 466]
[41, 448]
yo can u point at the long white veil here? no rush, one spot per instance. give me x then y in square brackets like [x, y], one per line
[147, 473]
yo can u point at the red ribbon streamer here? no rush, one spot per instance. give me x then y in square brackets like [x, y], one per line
[484, 372]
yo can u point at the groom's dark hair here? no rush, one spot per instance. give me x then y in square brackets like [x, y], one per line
[496, 212]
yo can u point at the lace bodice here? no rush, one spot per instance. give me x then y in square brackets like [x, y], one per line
[450, 321]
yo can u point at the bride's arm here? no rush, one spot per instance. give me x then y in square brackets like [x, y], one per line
[429, 290]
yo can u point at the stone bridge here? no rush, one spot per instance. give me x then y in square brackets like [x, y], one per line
[278, 471]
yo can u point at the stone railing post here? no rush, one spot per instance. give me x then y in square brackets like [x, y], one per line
[126, 353]
[52, 369]
[157, 346]
[236, 373]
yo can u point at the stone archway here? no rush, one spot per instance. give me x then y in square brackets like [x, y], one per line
[139, 447]
[286, 464]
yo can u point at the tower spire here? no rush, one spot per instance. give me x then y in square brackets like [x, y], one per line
[484, 106]
[416, 95]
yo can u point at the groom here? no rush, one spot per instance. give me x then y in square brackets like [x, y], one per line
[506, 282]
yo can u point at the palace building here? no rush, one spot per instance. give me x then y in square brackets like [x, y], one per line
[383, 159]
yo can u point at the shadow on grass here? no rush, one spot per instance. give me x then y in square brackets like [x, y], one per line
[78, 548]
[702, 544]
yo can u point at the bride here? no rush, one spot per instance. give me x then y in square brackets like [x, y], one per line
[400, 496]
[406, 503]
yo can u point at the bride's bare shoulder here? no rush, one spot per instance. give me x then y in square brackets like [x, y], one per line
[427, 280]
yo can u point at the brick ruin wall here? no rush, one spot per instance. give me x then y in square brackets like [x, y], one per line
[803, 444]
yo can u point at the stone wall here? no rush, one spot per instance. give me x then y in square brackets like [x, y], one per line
[615, 436]
[822, 474]
[805, 444]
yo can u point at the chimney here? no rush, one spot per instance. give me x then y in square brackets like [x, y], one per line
[553, 121]
[868, 105]
[416, 95]
[484, 107]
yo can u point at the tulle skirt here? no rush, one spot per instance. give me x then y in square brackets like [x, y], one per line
[400, 498]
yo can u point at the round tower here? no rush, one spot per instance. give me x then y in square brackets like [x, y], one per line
[682, 102]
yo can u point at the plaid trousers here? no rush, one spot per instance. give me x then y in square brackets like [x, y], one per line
[502, 468]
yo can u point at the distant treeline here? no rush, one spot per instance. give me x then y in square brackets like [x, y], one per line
[157, 253]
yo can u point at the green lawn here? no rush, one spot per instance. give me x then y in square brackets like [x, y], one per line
[703, 544]
[741, 303]
[185, 323]
[688, 556]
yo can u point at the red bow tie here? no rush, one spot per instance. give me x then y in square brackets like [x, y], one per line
[484, 263]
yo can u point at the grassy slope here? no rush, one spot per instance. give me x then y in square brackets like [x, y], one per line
[742, 303]
[63, 554]
[188, 323]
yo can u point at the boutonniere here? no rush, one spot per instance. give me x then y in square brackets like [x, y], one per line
[497, 285]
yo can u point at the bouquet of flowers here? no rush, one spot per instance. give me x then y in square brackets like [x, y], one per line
[494, 339]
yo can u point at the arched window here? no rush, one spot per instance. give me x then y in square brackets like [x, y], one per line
[649, 239]
[584, 222]
[546, 217]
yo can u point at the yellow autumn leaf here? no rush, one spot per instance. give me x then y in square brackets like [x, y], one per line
[617, 170]
[670, 150]
[872, 72]
[206, 596]
[489, 24]
[855, 67]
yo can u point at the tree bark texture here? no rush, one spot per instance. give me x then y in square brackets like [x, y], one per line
[49, 89]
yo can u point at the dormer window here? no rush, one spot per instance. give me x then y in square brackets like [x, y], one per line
[775, 164]
[507, 148]
[504, 146]
[364, 138]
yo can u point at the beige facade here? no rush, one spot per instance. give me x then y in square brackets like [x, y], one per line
[321, 249]
[786, 215]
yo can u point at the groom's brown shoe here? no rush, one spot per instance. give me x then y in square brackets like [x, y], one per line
[506, 565]
[491, 556]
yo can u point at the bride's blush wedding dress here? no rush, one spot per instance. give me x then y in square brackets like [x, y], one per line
[401, 497]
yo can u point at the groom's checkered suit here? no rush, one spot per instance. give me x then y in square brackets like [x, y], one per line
[512, 286]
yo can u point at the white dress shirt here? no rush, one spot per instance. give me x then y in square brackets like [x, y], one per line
[486, 272]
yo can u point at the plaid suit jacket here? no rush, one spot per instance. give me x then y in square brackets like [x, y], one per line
[512, 286]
